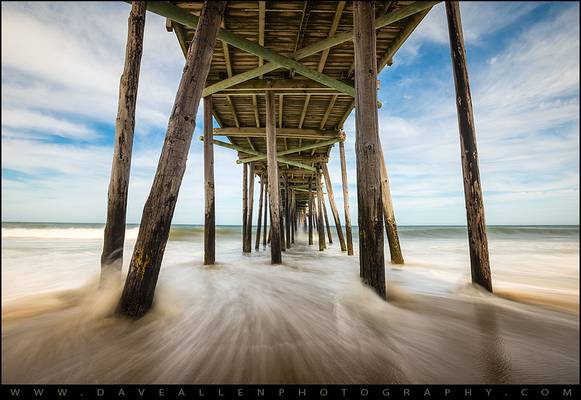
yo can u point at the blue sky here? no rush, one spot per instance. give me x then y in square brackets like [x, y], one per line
[61, 64]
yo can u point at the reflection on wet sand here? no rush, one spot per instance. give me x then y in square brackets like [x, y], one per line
[493, 353]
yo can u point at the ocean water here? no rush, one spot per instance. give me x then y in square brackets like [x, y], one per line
[309, 320]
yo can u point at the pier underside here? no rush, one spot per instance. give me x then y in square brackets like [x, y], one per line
[280, 79]
[310, 113]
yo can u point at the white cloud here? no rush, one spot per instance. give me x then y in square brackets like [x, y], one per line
[45, 66]
[526, 106]
[35, 122]
[478, 20]
[60, 79]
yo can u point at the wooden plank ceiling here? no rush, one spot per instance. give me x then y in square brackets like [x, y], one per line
[304, 107]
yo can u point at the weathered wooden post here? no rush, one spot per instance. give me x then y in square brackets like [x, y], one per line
[282, 221]
[139, 290]
[345, 183]
[388, 213]
[273, 186]
[114, 235]
[259, 218]
[329, 237]
[316, 209]
[244, 204]
[315, 214]
[372, 263]
[292, 216]
[270, 225]
[311, 206]
[479, 259]
[320, 222]
[248, 235]
[334, 210]
[210, 207]
[265, 210]
[287, 219]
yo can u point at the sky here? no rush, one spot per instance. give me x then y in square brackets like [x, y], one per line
[61, 64]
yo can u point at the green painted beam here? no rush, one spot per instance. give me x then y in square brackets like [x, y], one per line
[293, 133]
[380, 22]
[240, 78]
[256, 153]
[290, 151]
[320, 46]
[405, 33]
[278, 85]
[177, 14]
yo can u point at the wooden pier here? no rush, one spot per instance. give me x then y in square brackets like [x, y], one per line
[280, 80]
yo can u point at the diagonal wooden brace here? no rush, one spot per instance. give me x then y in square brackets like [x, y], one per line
[177, 14]
[291, 151]
[256, 153]
[335, 40]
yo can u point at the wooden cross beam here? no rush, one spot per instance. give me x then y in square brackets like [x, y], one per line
[279, 85]
[307, 6]
[293, 133]
[335, 40]
[177, 14]
[332, 31]
[256, 153]
[261, 20]
[291, 151]
[304, 112]
[413, 22]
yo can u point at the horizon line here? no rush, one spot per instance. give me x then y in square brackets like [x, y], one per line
[239, 225]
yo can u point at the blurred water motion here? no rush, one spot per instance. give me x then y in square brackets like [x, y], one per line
[307, 321]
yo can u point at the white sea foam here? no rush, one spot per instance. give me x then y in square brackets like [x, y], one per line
[61, 233]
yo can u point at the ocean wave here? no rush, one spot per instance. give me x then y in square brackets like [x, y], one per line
[188, 232]
[61, 233]
[514, 232]
[177, 233]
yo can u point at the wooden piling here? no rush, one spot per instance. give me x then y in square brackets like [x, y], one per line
[259, 218]
[282, 221]
[329, 236]
[348, 231]
[315, 214]
[114, 235]
[264, 236]
[139, 289]
[209, 196]
[287, 219]
[479, 258]
[273, 185]
[320, 222]
[371, 258]
[295, 212]
[311, 206]
[292, 217]
[388, 213]
[334, 210]
[244, 205]
[248, 236]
